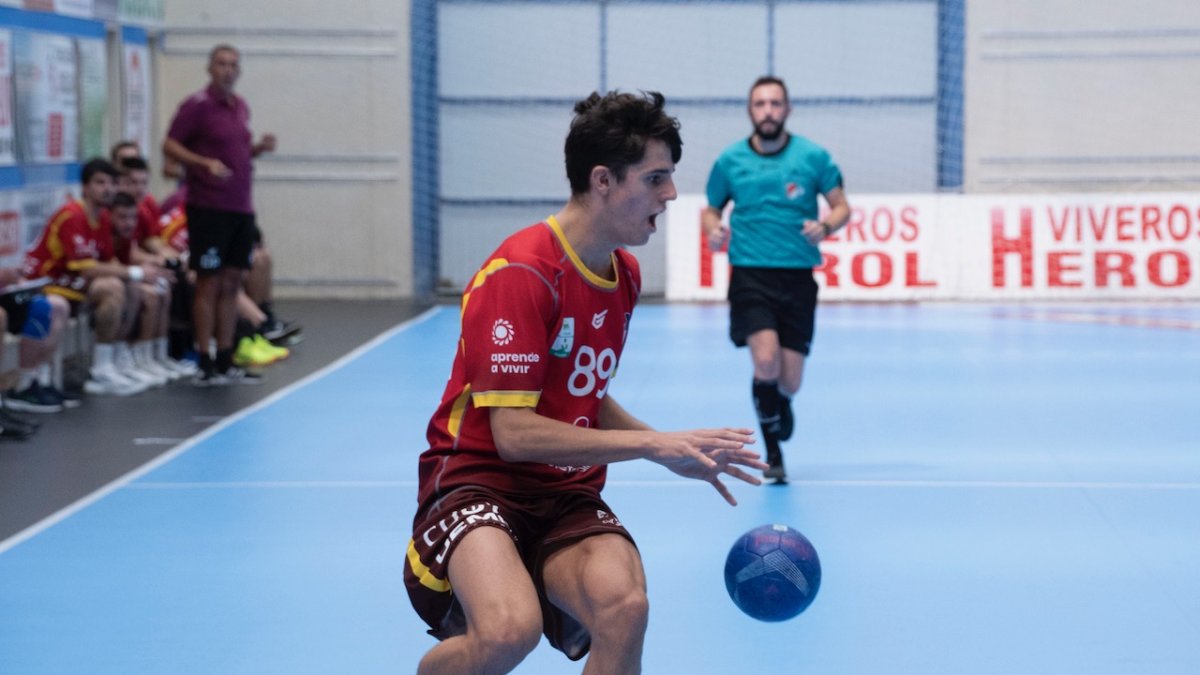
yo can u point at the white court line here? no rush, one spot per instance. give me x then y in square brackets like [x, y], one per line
[122, 481]
[983, 484]
[274, 485]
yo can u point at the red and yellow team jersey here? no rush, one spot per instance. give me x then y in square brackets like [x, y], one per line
[539, 330]
[172, 228]
[121, 247]
[70, 243]
[148, 219]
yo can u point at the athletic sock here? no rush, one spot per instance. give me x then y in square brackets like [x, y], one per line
[224, 359]
[206, 364]
[787, 420]
[766, 403]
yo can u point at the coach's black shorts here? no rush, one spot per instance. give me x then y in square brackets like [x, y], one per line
[783, 300]
[218, 239]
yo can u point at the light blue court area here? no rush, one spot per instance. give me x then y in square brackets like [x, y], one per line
[992, 489]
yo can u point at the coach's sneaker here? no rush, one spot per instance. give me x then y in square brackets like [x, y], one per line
[207, 376]
[237, 375]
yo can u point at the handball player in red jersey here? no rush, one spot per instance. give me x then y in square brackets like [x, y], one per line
[512, 538]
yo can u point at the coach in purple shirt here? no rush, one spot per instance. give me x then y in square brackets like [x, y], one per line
[210, 135]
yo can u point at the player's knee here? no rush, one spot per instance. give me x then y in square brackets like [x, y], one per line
[766, 369]
[60, 308]
[626, 613]
[509, 634]
[261, 260]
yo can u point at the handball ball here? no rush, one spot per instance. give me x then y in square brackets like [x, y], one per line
[772, 573]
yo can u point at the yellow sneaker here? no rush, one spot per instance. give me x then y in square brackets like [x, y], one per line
[265, 348]
[248, 355]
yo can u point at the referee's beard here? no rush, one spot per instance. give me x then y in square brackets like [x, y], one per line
[769, 130]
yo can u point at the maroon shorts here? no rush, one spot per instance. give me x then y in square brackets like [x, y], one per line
[539, 526]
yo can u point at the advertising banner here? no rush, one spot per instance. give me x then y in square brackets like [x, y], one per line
[979, 247]
[47, 98]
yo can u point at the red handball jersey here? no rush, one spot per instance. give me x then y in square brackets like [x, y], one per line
[539, 330]
[70, 243]
[121, 247]
[172, 228]
[148, 219]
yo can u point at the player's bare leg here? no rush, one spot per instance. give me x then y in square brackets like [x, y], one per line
[600, 582]
[504, 618]
[790, 377]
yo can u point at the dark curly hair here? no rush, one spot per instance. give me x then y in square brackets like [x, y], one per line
[612, 131]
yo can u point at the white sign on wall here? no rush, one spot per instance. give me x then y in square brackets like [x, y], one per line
[8, 150]
[12, 246]
[979, 247]
[135, 81]
[47, 97]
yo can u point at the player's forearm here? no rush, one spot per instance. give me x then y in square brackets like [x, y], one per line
[176, 151]
[614, 416]
[522, 435]
[101, 269]
[838, 215]
[710, 220]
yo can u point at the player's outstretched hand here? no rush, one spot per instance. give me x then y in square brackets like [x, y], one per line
[705, 454]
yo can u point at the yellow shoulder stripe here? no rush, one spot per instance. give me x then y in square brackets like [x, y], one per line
[506, 399]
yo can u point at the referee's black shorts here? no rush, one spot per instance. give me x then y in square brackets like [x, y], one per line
[780, 299]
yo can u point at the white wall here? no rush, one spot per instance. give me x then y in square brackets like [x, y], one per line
[511, 71]
[331, 80]
[1063, 95]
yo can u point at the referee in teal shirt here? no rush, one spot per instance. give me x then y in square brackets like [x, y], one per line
[773, 179]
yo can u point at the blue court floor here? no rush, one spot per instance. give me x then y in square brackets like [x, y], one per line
[992, 489]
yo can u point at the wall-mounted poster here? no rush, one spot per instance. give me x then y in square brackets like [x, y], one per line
[141, 12]
[38, 203]
[8, 151]
[80, 8]
[12, 247]
[93, 91]
[47, 85]
[136, 89]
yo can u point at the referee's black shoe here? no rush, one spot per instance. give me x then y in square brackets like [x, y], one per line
[775, 471]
